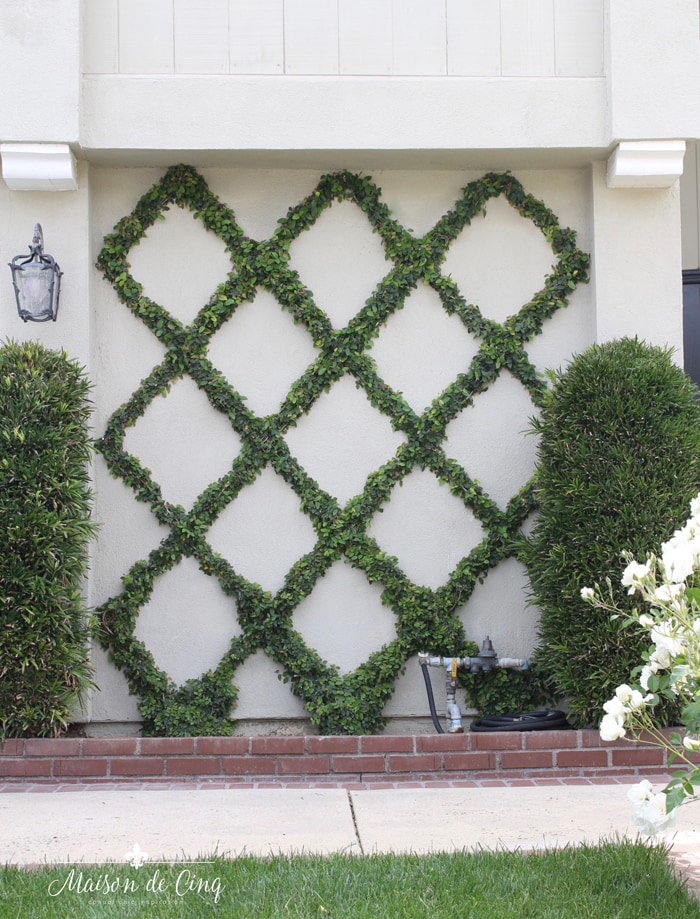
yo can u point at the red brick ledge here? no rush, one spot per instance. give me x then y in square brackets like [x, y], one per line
[426, 758]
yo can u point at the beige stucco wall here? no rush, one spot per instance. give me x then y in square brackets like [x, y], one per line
[633, 236]
[627, 263]
[500, 260]
[65, 221]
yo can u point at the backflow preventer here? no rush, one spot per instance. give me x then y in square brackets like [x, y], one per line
[484, 662]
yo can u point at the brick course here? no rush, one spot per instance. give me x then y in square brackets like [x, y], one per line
[568, 758]
[469, 757]
[538, 759]
[469, 762]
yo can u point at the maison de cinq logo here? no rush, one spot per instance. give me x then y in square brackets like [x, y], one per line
[186, 881]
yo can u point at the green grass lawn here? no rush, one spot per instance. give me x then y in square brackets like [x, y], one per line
[615, 879]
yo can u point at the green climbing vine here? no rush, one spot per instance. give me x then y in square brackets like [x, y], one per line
[425, 619]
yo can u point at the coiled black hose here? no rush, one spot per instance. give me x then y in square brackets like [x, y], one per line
[541, 720]
[545, 720]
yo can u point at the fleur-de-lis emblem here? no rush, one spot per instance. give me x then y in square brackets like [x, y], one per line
[136, 857]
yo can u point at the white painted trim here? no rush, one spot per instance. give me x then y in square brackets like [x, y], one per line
[38, 167]
[646, 164]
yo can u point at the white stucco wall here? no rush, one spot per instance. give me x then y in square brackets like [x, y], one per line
[633, 236]
[65, 222]
[627, 265]
[649, 47]
[500, 260]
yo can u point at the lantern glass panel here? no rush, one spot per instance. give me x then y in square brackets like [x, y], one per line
[34, 290]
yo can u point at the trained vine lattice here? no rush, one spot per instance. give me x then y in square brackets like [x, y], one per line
[425, 618]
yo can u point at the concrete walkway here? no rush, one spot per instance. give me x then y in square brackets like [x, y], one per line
[95, 823]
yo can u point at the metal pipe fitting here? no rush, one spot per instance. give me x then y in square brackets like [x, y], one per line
[484, 662]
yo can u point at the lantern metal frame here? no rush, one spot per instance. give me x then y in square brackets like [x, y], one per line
[21, 272]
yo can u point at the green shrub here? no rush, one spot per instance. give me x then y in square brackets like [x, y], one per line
[618, 462]
[45, 513]
[505, 692]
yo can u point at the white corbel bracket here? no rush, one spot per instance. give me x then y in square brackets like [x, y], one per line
[38, 167]
[646, 164]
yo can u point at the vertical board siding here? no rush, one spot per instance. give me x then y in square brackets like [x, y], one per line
[311, 36]
[201, 36]
[511, 38]
[256, 37]
[527, 38]
[146, 42]
[100, 37]
[420, 46]
[365, 36]
[578, 38]
[473, 38]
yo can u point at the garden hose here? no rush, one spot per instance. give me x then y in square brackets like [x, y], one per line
[545, 720]
[431, 698]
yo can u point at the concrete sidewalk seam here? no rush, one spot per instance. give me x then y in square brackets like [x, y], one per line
[351, 803]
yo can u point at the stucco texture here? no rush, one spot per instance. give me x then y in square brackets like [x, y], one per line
[498, 262]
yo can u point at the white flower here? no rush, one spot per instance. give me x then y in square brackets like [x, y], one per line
[672, 621]
[615, 708]
[669, 593]
[644, 676]
[626, 700]
[678, 560]
[634, 573]
[695, 506]
[660, 659]
[612, 727]
[624, 693]
[641, 792]
[668, 635]
[651, 815]
[635, 700]
[694, 543]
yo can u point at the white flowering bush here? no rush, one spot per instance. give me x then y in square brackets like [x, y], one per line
[670, 668]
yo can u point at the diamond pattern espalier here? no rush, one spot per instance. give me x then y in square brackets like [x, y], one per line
[351, 703]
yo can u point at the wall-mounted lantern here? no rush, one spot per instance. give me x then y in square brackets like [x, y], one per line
[37, 282]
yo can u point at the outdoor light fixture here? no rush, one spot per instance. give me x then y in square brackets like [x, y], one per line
[37, 282]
